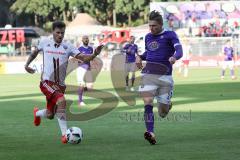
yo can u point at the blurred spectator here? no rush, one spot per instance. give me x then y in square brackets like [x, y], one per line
[187, 52]
[106, 59]
[11, 49]
[23, 49]
[208, 20]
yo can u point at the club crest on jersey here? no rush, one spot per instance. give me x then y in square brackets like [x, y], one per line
[153, 45]
[65, 47]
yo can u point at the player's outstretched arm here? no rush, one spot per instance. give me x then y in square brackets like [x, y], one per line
[87, 58]
[32, 56]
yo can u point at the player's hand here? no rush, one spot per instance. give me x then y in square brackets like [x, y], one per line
[98, 50]
[139, 62]
[172, 60]
[29, 69]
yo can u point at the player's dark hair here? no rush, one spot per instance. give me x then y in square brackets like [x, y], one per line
[156, 16]
[58, 24]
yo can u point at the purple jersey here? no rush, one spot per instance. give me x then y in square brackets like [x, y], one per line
[159, 48]
[88, 51]
[131, 51]
[228, 52]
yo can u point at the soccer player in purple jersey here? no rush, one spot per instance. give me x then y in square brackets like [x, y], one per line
[228, 60]
[131, 51]
[84, 75]
[162, 49]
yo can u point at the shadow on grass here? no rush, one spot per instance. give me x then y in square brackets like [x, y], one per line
[196, 92]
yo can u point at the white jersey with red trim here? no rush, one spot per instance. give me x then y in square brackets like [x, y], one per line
[55, 59]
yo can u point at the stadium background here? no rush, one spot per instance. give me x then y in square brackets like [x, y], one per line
[204, 123]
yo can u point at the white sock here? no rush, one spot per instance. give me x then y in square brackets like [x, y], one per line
[42, 113]
[61, 117]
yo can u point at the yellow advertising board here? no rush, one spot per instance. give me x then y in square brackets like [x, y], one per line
[2, 67]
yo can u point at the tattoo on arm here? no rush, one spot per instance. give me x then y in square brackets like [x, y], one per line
[85, 58]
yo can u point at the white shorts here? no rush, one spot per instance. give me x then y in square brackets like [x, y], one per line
[130, 67]
[161, 86]
[226, 64]
[84, 76]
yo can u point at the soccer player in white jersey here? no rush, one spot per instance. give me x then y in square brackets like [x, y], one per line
[187, 52]
[162, 50]
[55, 59]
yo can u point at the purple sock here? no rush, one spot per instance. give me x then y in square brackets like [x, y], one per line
[80, 94]
[149, 118]
[127, 80]
[133, 79]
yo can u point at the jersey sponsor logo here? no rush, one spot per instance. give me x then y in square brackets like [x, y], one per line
[55, 52]
[153, 46]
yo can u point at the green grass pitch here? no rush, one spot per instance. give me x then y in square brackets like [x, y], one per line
[204, 123]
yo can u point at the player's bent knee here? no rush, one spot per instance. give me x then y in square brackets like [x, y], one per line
[148, 100]
[90, 86]
[50, 115]
[163, 110]
[61, 99]
[162, 115]
[61, 102]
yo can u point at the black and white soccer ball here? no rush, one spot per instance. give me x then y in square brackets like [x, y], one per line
[74, 135]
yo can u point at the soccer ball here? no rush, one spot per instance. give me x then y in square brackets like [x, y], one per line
[74, 135]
